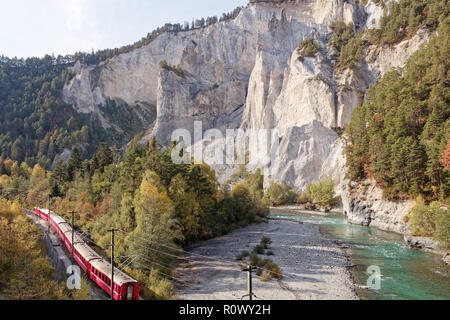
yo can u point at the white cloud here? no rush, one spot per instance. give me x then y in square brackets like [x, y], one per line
[83, 29]
[75, 11]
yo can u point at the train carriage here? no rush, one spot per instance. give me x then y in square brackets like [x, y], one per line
[42, 213]
[58, 224]
[125, 287]
[97, 268]
[84, 255]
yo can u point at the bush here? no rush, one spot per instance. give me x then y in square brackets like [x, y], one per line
[259, 249]
[265, 242]
[162, 288]
[244, 202]
[321, 193]
[343, 33]
[431, 221]
[242, 256]
[308, 48]
[271, 267]
[279, 194]
[175, 69]
[442, 233]
[255, 260]
[266, 276]
[422, 220]
[266, 269]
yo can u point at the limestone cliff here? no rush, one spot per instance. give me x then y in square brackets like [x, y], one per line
[246, 73]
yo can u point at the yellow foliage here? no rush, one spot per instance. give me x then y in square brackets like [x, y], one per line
[21, 253]
[5, 180]
[9, 209]
[38, 172]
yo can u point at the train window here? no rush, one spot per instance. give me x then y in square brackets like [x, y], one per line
[130, 293]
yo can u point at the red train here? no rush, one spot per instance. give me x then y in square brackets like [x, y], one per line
[96, 268]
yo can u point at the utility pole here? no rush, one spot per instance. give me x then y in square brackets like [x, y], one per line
[112, 261]
[49, 223]
[249, 271]
[73, 234]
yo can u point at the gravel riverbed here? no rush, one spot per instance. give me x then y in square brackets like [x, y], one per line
[314, 267]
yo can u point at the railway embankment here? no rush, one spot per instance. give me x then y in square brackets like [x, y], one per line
[59, 257]
[56, 253]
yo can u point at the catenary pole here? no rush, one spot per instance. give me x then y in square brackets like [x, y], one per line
[112, 261]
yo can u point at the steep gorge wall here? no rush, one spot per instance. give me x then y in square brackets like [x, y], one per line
[226, 66]
[246, 73]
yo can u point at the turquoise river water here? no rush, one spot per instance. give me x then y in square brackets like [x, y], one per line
[405, 273]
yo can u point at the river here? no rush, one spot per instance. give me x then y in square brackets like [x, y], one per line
[405, 274]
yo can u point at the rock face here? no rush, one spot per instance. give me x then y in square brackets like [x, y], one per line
[364, 205]
[422, 243]
[233, 70]
[246, 73]
[302, 150]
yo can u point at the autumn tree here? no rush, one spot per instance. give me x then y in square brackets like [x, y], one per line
[157, 225]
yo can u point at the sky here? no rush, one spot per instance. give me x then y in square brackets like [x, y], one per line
[30, 28]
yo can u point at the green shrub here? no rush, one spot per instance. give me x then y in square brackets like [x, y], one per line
[175, 69]
[242, 256]
[162, 288]
[442, 233]
[321, 193]
[308, 48]
[343, 33]
[279, 194]
[422, 220]
[265, 242]
[266, 269]
[259, 249]
[255, 260]
[431, 221]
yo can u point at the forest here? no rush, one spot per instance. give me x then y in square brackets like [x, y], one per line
[400, 136]
[155, 203]
[36, 125]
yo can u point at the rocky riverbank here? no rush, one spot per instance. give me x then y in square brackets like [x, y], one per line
[427, 245]
[392, 219]
[314, 268]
